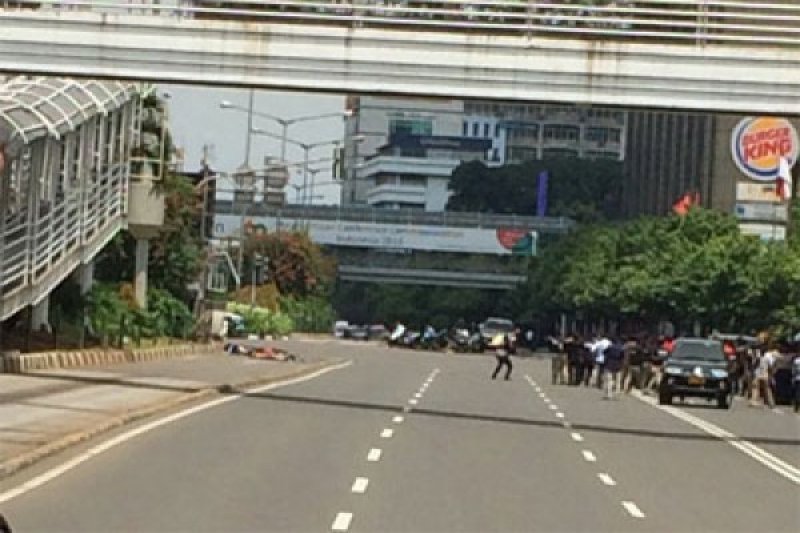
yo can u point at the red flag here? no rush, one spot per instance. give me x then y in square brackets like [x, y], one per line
[681, 207]
[783, 181]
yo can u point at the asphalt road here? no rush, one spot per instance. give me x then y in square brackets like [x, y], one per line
[417, 442]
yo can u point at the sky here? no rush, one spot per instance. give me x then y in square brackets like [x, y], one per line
[197, 120]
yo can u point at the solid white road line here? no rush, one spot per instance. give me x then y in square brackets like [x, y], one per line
[559, 415]
[55, 472]
[387, 433]
[589, 456]
[633, 510]
[360, 485]
[374, 455]
[342, 522]
[413, 401]
[606, 479]
[397, 420]
[577, 437]
[789, 471]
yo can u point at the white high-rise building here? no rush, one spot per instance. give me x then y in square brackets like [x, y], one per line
[374, 120]
[522, 131]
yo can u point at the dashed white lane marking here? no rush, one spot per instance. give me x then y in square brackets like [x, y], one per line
[589, 456]
[566, 424]
[94, 451]
[374, 455]
[418, 395]
[547, 400]
[559, 415]
[406, 409]
[606, 479]
[542, 395]
[342, 522]
[360, 485]
[413, 401]
[790, 472]
[397, 420]
[633, 510]
[577, 437]
[553, 407]
[387, 433]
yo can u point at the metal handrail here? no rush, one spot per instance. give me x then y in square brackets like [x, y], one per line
[710, 21]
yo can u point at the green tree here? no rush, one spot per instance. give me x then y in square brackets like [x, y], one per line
[586, 190]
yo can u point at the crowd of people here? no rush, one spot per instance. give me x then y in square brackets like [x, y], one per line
[616, 364]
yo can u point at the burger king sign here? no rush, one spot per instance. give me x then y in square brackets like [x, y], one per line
[759, 143]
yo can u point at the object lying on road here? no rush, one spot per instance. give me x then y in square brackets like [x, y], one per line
[259, 352]
[269, 352]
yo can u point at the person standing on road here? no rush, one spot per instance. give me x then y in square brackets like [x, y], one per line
[587, 363]
[599, 350]
[572, 345]
[634, 360]
[762, 385]
[614, 355]
[503, 351]
[559, 362]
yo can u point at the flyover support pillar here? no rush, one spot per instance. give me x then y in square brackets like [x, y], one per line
[40, 315]
[140, 279]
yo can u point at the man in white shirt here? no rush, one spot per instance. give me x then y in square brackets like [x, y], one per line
[599, 350]
[762, 384]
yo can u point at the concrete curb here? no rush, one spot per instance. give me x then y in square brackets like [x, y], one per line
[16, 464]
[16, 363]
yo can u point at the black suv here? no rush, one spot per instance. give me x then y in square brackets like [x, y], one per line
[696, 367]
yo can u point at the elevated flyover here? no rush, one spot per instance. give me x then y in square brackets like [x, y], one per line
[406, 246]
[710, 55]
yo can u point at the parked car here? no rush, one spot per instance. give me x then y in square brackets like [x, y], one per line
[358, 333]
[696, 367]
[495, 326]
[339, 328]
[378, 332]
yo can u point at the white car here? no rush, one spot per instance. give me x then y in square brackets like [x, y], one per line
[339, 328]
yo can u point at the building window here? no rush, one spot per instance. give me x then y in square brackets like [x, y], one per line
[486, 130]
[497, 130]
[465, 129]
[495, 154]
[475, 127]
[411, 126]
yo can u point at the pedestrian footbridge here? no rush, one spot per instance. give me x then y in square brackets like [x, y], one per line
[723, 55]
[64, 169]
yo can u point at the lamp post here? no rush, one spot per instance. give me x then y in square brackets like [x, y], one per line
[284, 122]
[306, 147]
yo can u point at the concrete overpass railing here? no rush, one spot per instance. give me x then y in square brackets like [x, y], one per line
[400, 216]
[724, 55]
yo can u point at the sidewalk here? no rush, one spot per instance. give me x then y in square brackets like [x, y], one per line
[46, 411]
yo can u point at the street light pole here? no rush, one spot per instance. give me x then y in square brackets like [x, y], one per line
[249, 129]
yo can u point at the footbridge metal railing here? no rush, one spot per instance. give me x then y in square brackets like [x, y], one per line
[740, 22]
[720, 55]
[64, 147]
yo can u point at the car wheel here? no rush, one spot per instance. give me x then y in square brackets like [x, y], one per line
[664, 398]
[723, 401]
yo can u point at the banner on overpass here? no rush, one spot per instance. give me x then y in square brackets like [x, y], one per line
[501, 241]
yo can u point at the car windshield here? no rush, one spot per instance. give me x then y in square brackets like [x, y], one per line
[700, 349]
[499, 325]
